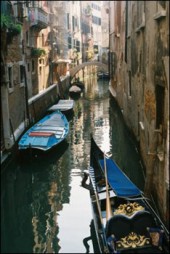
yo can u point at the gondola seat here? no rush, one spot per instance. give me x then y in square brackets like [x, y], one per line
[141, 221]
[119, 226]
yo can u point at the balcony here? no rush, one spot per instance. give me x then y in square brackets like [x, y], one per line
[38, 18]
[9, 24]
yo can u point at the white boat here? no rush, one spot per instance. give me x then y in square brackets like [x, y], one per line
[62, 105]
[75, 89]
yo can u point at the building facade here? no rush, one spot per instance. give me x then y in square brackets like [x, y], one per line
[40, 39]
[139, 69]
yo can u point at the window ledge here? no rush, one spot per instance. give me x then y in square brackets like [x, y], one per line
[11, 90]
[21, 84]
[141, 125]
[159, 15]
[160, 156]
[140, 27]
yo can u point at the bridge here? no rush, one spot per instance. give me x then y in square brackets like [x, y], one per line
[77, 68]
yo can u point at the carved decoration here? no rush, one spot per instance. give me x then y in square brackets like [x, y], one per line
[128, 209]
[133, 240]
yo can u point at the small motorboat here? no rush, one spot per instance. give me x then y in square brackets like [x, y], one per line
[46, 134]
[124, 219]
[79, 84]
[75, 89]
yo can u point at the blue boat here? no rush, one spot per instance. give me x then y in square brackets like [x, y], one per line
[124, 219]
[46, 134]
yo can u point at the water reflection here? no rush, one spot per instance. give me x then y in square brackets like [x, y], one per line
[124, 147]
[44, 209]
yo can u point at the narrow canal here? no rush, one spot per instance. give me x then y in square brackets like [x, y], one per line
[44, 209]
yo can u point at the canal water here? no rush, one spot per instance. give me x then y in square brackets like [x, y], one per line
[44, 209]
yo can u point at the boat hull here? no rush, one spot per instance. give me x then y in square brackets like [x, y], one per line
[133, 222]
[46, 134]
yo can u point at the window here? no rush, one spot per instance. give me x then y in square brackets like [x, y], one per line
[96, 49]
[10, 78]
[28, 67]
[40, 70]
[96, 20]
[78, 46]
[68, 21]
[43, 41]
[96, 7]
[18, 11]
[130, 89]
[21, 68]
[73, 23]
[69, 42]
[27, 38]
[41, 61]
[160, 95]
[74, 43]
[33, 66]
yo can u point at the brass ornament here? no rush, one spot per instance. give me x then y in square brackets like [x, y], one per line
[128, 209]
[133, 240]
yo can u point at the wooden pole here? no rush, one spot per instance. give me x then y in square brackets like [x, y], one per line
[109, 213]
[100, 215]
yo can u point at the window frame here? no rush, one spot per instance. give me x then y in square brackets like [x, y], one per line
[21, 74]
[11, 78]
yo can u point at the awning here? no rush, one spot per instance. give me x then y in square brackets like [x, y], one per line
[119, 182]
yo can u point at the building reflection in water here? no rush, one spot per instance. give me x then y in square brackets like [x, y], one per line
[16, 213]
[51, 189]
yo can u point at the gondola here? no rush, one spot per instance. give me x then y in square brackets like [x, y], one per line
[124, 219]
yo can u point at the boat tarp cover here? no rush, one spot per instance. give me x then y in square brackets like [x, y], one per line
[55, 123]
[119, 182]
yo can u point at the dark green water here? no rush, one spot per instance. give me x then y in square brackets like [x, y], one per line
[44, 209]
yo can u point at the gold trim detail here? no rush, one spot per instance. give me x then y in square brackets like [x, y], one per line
[129, 209]
[133, 240]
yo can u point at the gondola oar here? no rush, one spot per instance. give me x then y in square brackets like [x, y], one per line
[109, 213]
[106, 250]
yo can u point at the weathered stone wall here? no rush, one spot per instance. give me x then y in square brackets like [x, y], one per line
[39, 104]
[141, 85]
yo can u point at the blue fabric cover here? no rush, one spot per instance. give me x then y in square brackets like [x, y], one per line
[120, 183]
